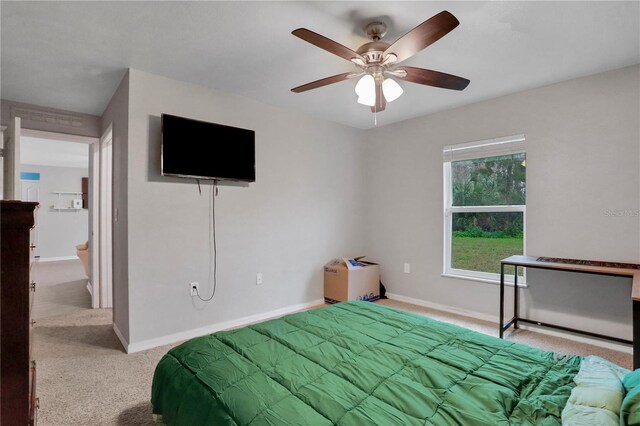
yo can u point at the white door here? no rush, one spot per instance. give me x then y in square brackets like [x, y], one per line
[106, 206]
[11, 161]
[30, 190]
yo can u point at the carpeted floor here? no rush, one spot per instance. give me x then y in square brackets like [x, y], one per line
[61, 288]
[85, 378]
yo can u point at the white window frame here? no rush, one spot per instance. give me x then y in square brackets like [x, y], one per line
[449, 210]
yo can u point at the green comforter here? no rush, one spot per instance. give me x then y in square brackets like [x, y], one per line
[359, 363]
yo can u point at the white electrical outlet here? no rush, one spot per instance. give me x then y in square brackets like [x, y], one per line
[407, 268]
[259, 278]
[194, 289]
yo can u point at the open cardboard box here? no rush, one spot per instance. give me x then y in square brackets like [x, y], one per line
[351, 279]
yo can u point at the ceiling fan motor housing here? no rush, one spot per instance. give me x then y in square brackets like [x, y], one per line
[375, 30]
[373, 51]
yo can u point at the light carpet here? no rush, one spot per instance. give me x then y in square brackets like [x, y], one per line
[85, 378]
[61, 288]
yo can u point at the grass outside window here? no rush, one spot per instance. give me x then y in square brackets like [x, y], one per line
[484, 254]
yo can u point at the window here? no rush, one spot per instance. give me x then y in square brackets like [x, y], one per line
[484, 207]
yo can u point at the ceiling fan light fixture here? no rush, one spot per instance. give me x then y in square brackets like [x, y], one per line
[367, 100]
[391, 90]
[366, 86]
[366, 90]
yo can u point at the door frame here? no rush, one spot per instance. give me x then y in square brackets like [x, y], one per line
[11, 159]
[94, 208]
[105, 201]
[2, 130]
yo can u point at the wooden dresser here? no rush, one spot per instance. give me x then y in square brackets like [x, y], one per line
[18, 403]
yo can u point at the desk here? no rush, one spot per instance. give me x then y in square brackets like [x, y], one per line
[600, 268]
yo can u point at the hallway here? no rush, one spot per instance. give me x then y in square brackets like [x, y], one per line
[61, 288]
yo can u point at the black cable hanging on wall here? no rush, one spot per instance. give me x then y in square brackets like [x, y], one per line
[213, 249]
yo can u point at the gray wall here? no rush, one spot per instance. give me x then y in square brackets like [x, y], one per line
[583, 160]
[59, 231]
[325, 190]
[117, 115]
[306, 207]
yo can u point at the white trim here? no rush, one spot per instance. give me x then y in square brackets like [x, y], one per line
[485, 277]
[443, 308]
[495, 319]
[89, 288]
[508, 279]
[486, 142]
[11, 161]
[94, 211]
[506, 145]
[620, 347]
[106, 219]
[65, 137]
[212, 328]
[486, 209]
[120, 337]
[56, 259]
[448, 223]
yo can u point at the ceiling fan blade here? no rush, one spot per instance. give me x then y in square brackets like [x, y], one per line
[327, 44]
[324, 82]
[432, 78]
[430, 31]
[381, 102]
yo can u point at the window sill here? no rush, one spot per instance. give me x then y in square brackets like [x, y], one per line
[521, 282]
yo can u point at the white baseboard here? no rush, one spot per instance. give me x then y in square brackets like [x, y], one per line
[56, 259]
[620, 347]
[212, 328]
[444, 308]
[90, 288]
[123, 341]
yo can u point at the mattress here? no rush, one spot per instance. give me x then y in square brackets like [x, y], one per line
[359, 363]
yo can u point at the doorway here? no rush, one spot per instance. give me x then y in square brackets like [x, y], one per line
[83, 200]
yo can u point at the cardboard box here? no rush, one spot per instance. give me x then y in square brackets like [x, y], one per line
[351, 279]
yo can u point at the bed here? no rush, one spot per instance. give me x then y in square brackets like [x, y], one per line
[359, 363]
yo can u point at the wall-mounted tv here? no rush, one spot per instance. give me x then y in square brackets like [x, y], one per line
[202, 150]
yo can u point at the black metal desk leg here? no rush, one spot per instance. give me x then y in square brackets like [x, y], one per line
[515, 297]
[501, 299]
[636, 334]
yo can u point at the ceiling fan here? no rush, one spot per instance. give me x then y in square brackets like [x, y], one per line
[377, 61]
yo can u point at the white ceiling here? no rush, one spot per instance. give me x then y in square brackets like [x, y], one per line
[48, 152]
[72, 55]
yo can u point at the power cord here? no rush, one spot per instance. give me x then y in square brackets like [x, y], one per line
[213, 250]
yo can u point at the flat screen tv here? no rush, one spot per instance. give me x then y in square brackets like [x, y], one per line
[202, 150]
